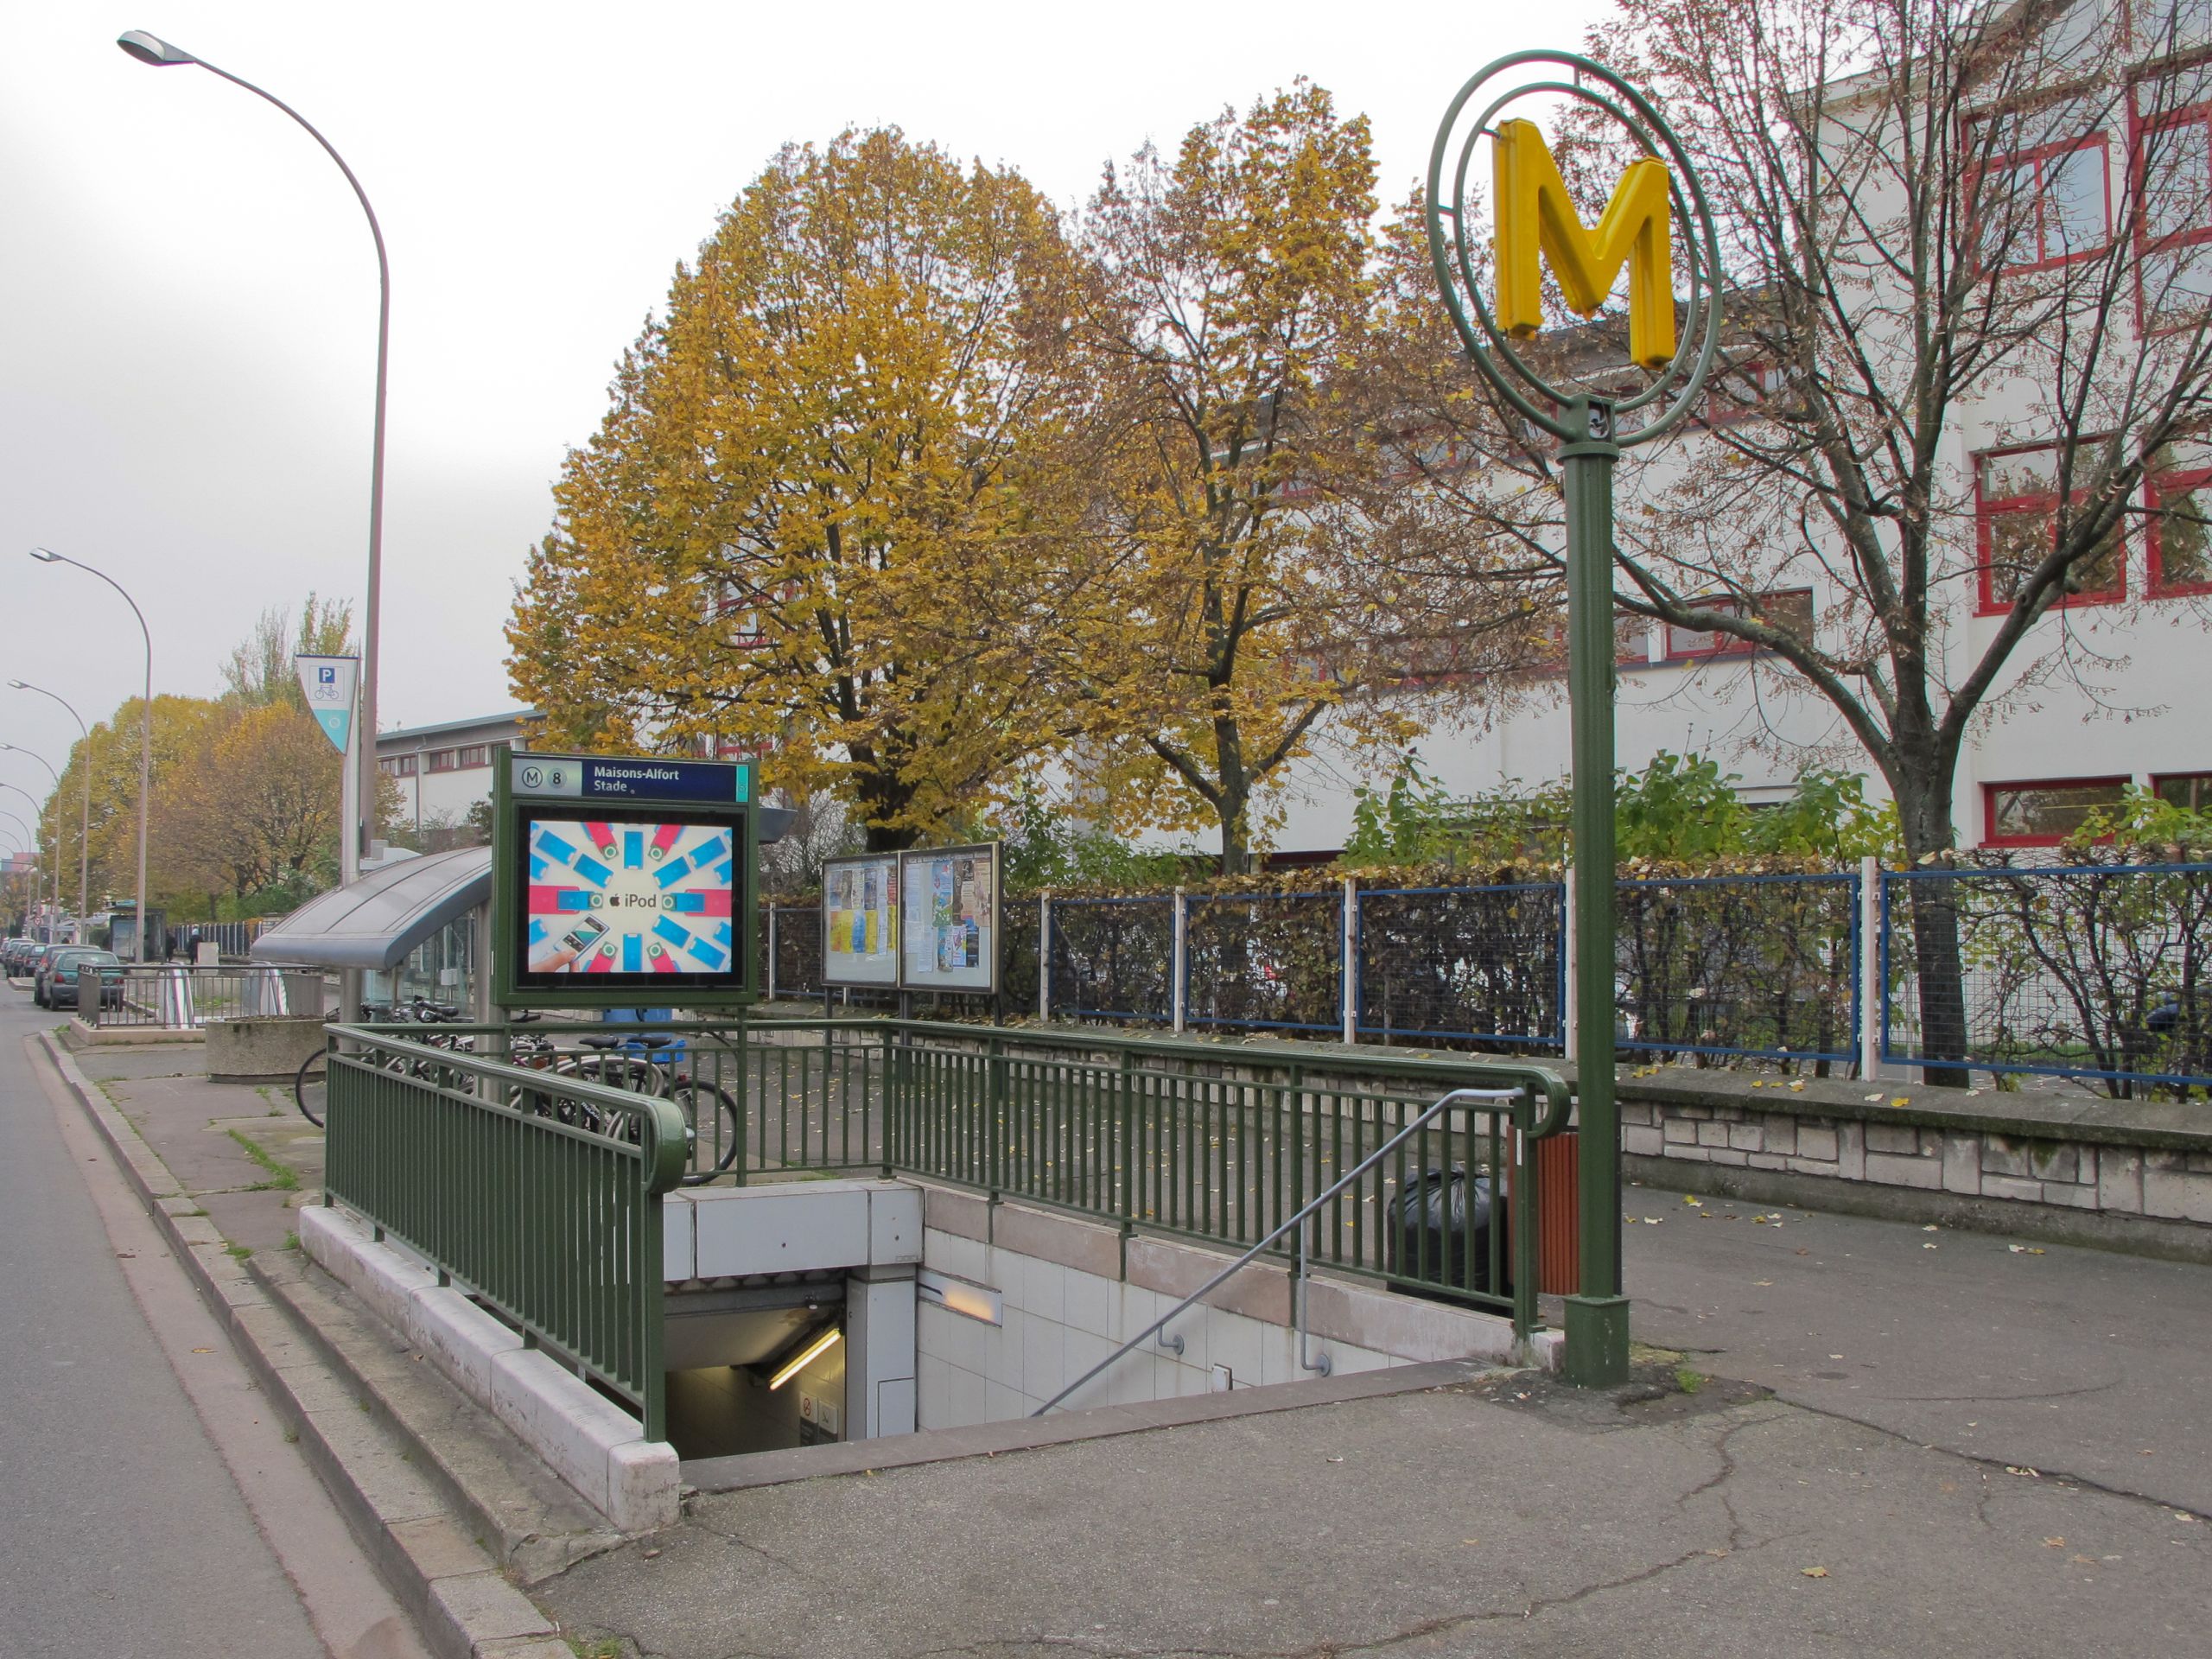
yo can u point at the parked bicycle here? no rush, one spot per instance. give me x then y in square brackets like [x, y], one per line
[649, 1062]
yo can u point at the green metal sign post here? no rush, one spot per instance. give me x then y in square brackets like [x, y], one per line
[1591, 438]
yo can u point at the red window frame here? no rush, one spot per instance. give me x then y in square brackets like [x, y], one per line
[2147, 245]
[2155, 489]
[443, 760]
[1990, 792]
[2201, 779]
[1725, 405]
[1726, 644]
[1988, 508]
[2036, 157]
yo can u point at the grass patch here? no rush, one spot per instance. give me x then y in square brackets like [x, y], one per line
[291, 1241]
[241, 1251]
[282, 1177]
[1688, 1380]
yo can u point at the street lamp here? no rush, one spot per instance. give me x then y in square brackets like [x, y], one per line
[145, 724]
[152, 50]
[54, 878]
[35, 809]
[85, 827]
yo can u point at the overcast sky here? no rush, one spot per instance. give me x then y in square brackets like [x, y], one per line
[187, 291]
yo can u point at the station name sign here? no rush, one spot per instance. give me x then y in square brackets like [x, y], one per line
[593, 779]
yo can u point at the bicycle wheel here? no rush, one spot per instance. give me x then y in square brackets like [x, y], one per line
[310, 1083]
[709, 1125]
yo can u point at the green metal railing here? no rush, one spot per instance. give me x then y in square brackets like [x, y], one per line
[533, 1185]
[538, 1193]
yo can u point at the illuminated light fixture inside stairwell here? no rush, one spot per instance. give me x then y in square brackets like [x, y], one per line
[805, 1356]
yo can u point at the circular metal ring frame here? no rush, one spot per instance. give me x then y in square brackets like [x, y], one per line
[1678, 383]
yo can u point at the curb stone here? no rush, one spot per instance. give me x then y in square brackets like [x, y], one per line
[462, 1604]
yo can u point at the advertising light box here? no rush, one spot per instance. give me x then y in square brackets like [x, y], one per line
[624, 882]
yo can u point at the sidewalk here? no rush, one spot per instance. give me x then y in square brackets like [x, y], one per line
[1865, 1504]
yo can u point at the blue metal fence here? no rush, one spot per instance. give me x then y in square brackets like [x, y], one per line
[2102, 971]
[1113, 958]
[1482, 965]
[1764, 965]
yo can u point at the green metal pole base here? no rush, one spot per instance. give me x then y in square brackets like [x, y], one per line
[1596, 1341]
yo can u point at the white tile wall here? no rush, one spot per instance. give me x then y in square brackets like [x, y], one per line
[1059, 1322]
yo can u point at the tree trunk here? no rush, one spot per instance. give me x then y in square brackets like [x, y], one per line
[1924, 815]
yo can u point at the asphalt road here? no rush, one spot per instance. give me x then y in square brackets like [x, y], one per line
[130, 1526]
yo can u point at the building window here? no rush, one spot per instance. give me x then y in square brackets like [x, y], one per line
[1741, 392]
[443, 760]
[2044, 206]
[2015, 525]
[2190, 791]
[2173, 167]
[2044, 814]
[474, 756]
[398, 765]
[1791, 610]
[2179, 496]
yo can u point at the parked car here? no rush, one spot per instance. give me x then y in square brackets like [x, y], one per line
[14, 954]
[35, 958]
[63, 974]
[57, 979]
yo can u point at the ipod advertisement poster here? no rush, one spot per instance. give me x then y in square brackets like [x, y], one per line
[629, 898]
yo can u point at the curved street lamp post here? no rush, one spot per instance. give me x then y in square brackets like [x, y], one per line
[152, 50]
[145, 727]
[85, 824]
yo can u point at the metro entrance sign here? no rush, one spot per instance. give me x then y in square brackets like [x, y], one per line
[624, 880]
[1536, 221]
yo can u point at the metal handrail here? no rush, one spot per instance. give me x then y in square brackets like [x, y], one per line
[1462, 1098]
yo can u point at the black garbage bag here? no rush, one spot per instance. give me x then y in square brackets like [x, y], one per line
[1429, 1226]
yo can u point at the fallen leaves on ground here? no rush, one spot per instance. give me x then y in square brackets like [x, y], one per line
[2025, 1250]
[1814, 1572]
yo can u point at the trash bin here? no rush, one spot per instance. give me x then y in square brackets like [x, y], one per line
[1430, 1227]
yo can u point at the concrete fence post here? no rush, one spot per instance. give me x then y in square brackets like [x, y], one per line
[1566, 965]
[1872, 990]
[1044, 956]
[1350, 966]
[1180, 958]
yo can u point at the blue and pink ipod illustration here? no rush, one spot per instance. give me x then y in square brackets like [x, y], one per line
[614, 898]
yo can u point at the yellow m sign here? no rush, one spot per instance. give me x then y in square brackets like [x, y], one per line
[1535, 216]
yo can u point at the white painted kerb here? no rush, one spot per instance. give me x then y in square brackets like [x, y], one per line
[588, 1441]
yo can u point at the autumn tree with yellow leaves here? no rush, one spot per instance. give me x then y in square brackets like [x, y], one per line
[1231, 294]
[815, 521]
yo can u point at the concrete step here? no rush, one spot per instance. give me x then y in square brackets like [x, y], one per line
[528, 1519]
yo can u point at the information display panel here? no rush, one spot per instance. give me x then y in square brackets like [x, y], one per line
[948, 919]
[860, 920]
[624, 881]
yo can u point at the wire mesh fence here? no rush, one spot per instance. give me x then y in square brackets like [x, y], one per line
[2099, 971]
[1482, 965]
[1271, 961]
[1752, 965]
[798, 950]
[1113, 958]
